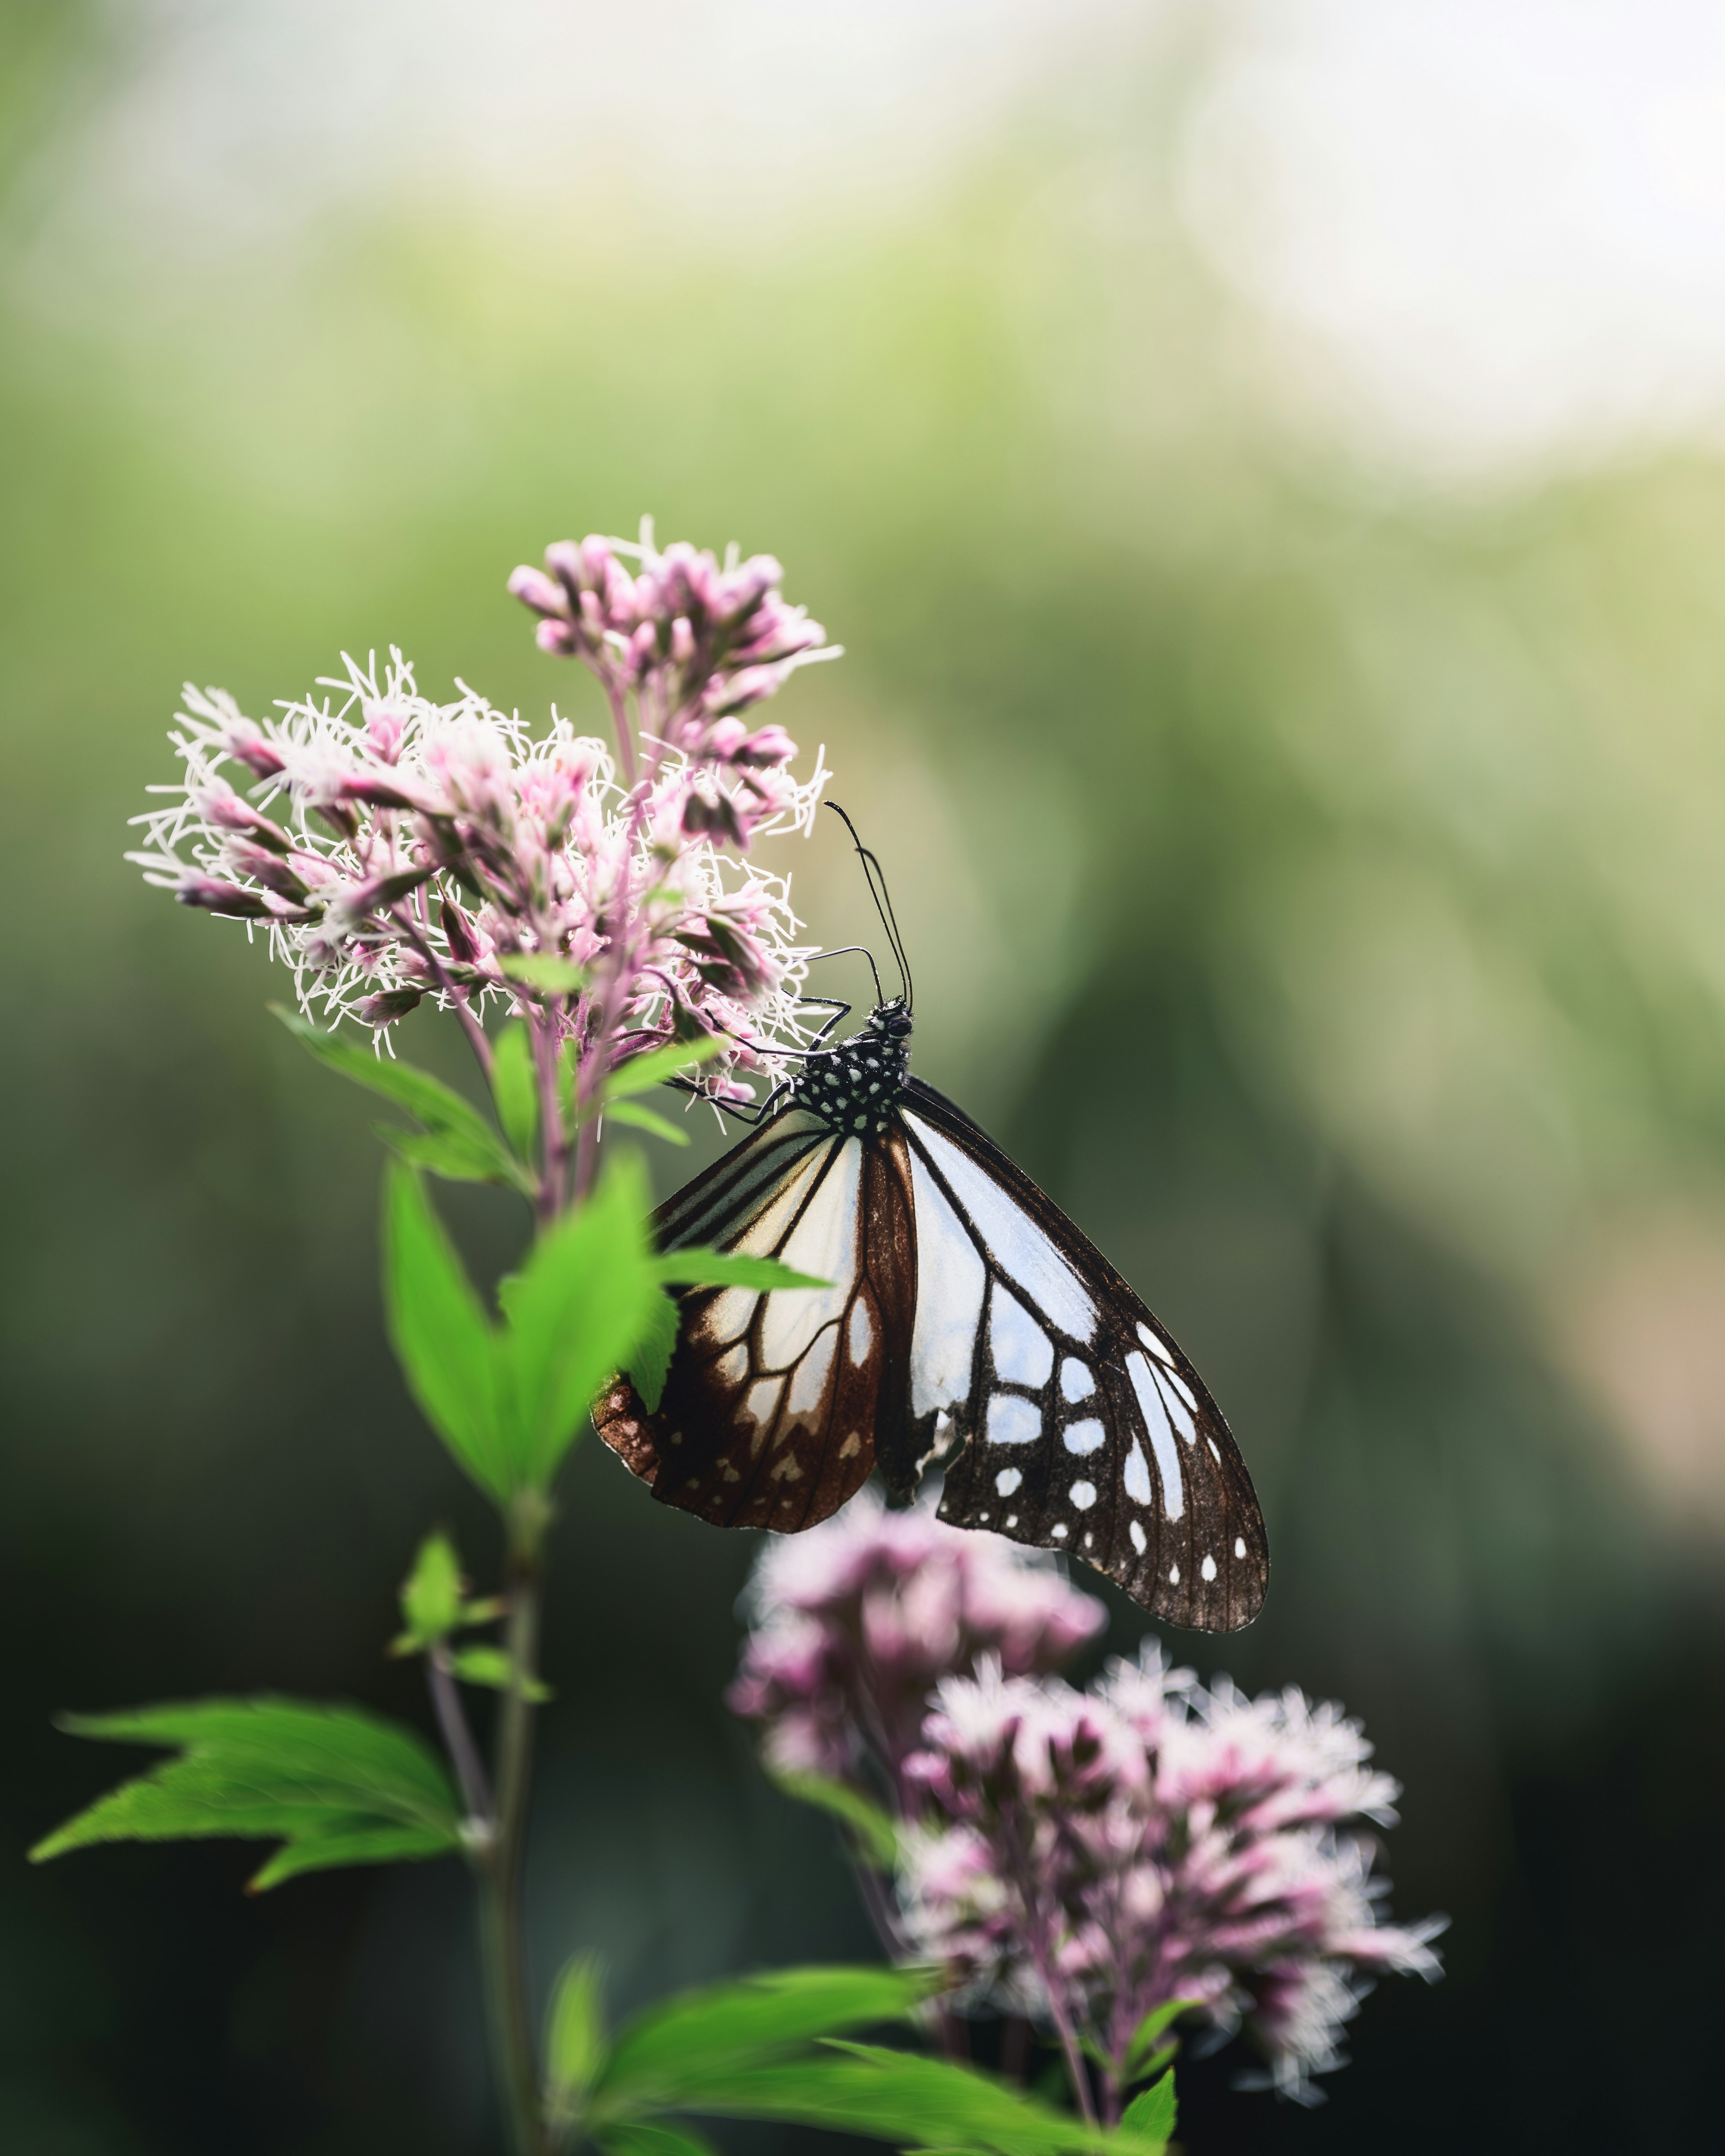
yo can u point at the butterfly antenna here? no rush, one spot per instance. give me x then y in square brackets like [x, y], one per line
[878, 892]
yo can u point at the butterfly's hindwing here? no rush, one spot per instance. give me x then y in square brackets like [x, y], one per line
[1084, 1429]
[777, 1404]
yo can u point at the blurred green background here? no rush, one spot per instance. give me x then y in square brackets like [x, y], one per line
[1310, 856]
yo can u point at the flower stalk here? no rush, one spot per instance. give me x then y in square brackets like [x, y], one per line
[395, 851]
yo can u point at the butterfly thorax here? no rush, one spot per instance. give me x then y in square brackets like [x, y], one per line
[853, 1085]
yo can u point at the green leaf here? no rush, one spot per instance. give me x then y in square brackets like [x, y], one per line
[336, 1785]
[697, 1267]
[642, 1073]
[575, 1313]
[446, 1153]
[431, 1599]
[574, 2036]
[491, 1667]
[654, 2139]
[1151, 2116]
[903, 2097]
[469, 1139]
[668, 2056]
[442, 1338]
[639, 1118]
[651, 1365]
[545, 972]
[875, 1835]
[1144, 2054]
[515, 1088]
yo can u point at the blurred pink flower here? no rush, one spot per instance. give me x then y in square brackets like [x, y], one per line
[858, 1621]
[1095, 1856]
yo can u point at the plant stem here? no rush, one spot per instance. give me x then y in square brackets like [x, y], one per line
[501, 1875]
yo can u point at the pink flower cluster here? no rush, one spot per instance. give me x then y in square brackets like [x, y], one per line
[859, 1620]
[695, 643]
[1093, 1857]
[395, 849]
[1083, 1858]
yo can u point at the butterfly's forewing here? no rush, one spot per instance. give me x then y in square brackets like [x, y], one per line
[1086, 1429]
[777, 1404]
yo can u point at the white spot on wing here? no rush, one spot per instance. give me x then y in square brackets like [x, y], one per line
[1083, 1495]
[1140, 1541]
[950, 1282]
[1059, 1530]
[1240, 1545]
[733, 1366]
[1173, 1575]
[1023, 1353]
[1162, 1441]
[810, 1384]
[1076, 1383]
[1014, 1421]
[1019, 1248]
[862, 1333]
[1006, 1481]
[1154, 1345]
[1209, 1568]
[1137, 1476]
[1172, 1377]
[1177, 1412]
[1083, 1437]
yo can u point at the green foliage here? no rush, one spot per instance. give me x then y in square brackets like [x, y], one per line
[649, 2139]
[442, 1338]
[650, 1363]
[638, 1118]
[903, 2096]
[670, 2054]
[874, 1837]
[334, 1784]
[1146, 2055]
[492, 1668]
[1151, 2116]
[644, 1072]
[575, 1312]
[510, 1399]
[515, 1088]
[431, 1597]
[456, 1142]
[434, 1600]
[574, 2037]
[697, 1267]
[546, 974]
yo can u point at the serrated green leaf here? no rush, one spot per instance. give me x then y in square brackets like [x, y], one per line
[515, 1088]
[903, 2097]
[697, 1267]
[639, 1118]
[491, 1667]
[574, 2036]
[642, 1073]
[667, 2056]
[650, 1363]
[575, 1313]
[442, 1338]
[431, 1596]
[871, 1826]
[337, 1785]
[545, 973]
[474, 1149]
[1152, 2115]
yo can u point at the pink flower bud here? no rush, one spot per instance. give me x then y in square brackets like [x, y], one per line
[218, 897]
[558, 637]
[535, 589]
[682, 641]
[388, 1005]
[770, 746]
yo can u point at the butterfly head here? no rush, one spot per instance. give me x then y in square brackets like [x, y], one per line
[891, 1019]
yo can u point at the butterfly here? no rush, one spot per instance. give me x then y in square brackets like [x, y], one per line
[969, 1323]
